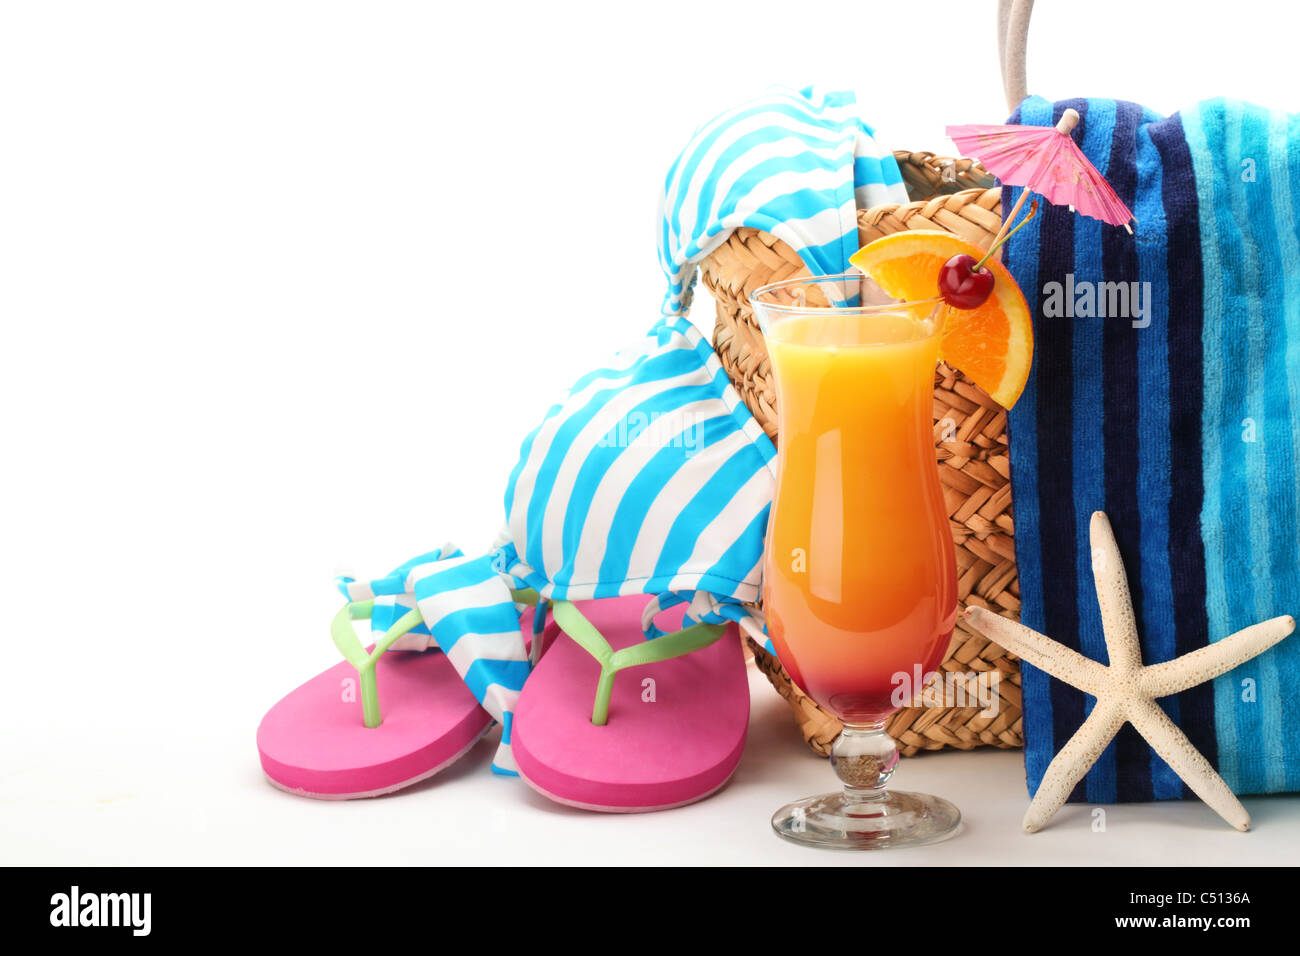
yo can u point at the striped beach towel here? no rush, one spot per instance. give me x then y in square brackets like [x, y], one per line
[795, 164]
[1166, 392]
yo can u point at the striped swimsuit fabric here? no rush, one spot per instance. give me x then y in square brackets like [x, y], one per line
[650, 476]
[795, 164]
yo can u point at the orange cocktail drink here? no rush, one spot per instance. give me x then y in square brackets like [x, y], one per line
[859, 577]
[860, 580]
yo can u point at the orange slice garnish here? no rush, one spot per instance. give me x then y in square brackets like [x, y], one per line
[994, 343]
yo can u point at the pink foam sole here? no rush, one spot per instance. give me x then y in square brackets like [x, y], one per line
[577, 805]
[384, 791]
[314, 743]
[651, 755]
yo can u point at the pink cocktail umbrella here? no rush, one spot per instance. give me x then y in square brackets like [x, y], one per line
[1045, 160]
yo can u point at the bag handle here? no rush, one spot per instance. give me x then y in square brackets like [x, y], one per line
[1013, 39]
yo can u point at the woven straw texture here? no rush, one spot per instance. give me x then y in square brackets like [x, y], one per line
[971, 445]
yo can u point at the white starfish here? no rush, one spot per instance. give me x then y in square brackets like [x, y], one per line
[1127, 690]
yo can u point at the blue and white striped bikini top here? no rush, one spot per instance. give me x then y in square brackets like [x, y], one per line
[650, 477]
[797, 165]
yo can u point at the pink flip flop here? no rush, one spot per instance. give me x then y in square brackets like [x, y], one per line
[666, 733]
[328, 739]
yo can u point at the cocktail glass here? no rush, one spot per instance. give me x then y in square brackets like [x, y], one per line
[860, 582]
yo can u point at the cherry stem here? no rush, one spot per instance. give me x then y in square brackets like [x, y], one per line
[1033, 210]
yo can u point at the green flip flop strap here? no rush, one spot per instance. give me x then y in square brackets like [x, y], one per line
[584, 633]
[525, 596]
[346, 640]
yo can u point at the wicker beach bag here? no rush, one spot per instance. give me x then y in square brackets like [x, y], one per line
[955, 195]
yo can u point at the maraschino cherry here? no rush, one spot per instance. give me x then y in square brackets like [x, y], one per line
[964, 283]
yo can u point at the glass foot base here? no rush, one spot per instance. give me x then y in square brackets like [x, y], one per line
[838, 821]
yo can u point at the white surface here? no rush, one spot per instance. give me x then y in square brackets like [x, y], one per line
[185, 796]
[282, 287]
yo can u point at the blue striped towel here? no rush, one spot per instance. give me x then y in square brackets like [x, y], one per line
[1166, 392]
[797, 165]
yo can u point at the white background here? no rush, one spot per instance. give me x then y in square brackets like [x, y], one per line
[283, 285]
